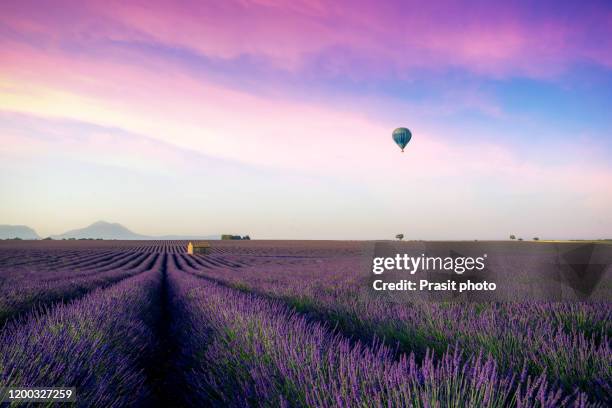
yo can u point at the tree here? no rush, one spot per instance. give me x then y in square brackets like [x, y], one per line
[512, 236]
[536, 238]
[520, 239]
[399, 236]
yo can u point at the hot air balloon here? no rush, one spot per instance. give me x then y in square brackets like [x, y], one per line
[401, 137]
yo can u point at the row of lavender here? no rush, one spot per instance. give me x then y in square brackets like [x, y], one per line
[47, 248]
[40, 249]
[240, 349]
[100, 344]
[31, 279]
[37, 274]
[569, 343]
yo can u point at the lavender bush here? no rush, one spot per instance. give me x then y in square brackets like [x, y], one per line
[279, 324]
[27, 285]
[244, 350]
[569, 342]
[96, 344]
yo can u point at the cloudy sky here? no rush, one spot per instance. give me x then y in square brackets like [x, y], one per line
[274, 118]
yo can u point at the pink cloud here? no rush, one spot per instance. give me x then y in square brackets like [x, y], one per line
[161, 101]
[360, 39]
[158, 99]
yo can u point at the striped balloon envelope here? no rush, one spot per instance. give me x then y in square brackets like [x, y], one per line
[401, 137]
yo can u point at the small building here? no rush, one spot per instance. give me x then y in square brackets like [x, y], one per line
[198, 248]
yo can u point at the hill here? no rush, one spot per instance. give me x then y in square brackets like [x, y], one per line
[107, 230]
[102, 229]
[17, 231]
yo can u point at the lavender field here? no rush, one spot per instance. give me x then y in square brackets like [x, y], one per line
[280, 323]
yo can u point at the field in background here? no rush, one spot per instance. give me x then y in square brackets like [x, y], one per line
[289, 323]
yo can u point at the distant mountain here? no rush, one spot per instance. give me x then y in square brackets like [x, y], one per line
[17, 231]
[107, 230]
[104, 230]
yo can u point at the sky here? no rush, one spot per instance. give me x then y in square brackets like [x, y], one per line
[274, 118]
